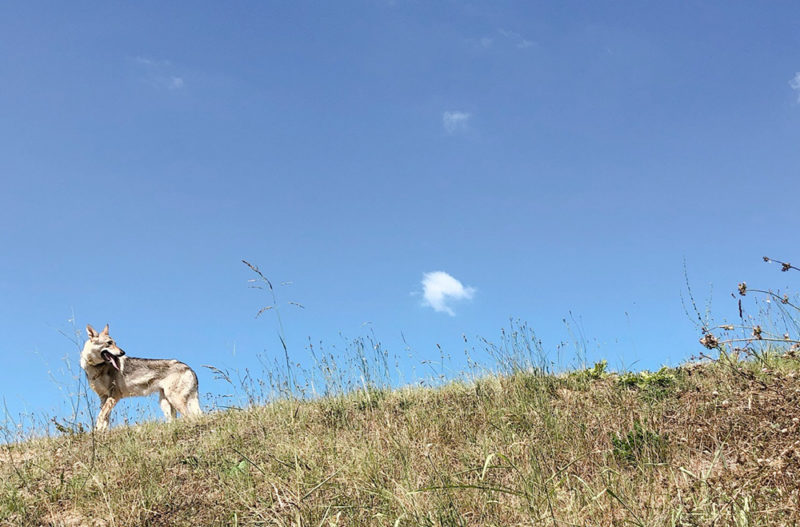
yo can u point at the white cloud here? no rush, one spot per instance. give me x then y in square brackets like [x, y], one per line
[455, 121]
[440, 289]
[145, 61]
[795, 84]
[517, 39]
[501, 40]
[158, 73]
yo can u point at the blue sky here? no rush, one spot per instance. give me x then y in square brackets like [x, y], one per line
[555, 160]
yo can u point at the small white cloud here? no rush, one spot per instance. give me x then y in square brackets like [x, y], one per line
[517, 39]
[144, 61]
[455, 121]
[795, 84]
[152, 63]
[158, 73]
[486, 42]
[439, 289]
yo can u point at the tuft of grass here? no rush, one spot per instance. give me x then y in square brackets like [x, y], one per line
[640, 444]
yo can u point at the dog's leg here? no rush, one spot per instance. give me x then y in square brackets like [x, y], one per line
[183, 394]
[166, 406]
[107, 404]
[178, 402]
[186, 404]
[193, 405]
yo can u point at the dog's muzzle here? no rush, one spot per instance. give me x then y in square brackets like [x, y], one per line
[111, 358]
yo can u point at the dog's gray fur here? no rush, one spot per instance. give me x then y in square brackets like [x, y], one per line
[113, 375]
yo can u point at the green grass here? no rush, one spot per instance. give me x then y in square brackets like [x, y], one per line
[714, 444]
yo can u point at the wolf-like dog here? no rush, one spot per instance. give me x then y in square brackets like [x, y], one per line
[113, 375]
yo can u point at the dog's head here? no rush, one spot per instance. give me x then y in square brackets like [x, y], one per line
[100, 348]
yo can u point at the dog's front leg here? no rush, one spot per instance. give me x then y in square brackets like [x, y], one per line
[106, 404]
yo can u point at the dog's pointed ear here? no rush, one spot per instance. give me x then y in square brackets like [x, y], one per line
[90, 331]
[105, 330]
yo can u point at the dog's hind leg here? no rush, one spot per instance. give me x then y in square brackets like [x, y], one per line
[166, 406]
[106, 405]
[172, 397]
[193, 405]
[186, 404]
[182, 394]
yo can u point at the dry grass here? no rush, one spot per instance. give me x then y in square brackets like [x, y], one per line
[713, 444]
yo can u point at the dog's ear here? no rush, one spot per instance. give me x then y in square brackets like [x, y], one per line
[90, 331]
[105, 330]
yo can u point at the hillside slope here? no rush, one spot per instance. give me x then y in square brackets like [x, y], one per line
[709, 444]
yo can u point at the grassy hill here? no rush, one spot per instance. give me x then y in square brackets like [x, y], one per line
[710, 444]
